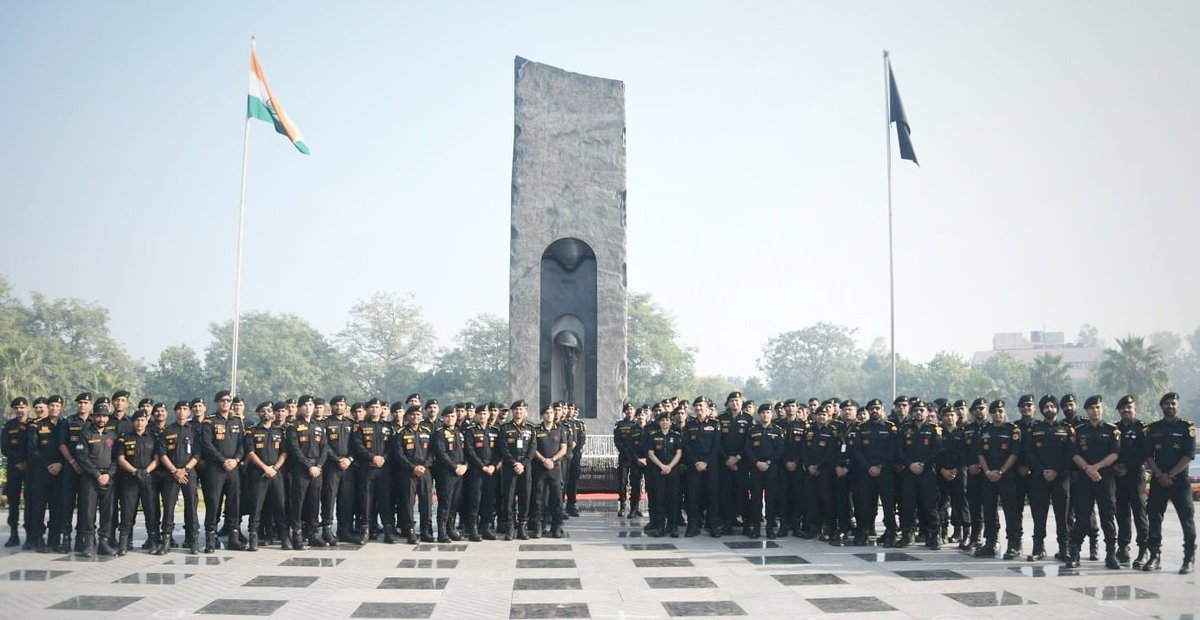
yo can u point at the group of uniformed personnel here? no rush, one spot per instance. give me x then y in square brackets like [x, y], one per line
[305, 472]
[824, 469]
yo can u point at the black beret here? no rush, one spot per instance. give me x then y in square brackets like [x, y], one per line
[120, 393]
[940, 402]
[40, 400]
[103, 400]
[790, 401]
[764, 407]
[238, 399]
[356, 406]
[145, 401]
[874, 402]
[849, 402]
[1168, 396]
[470, 405]
[1025, 399]
[979, 403]
[1067, 398]
[399, 406]
[83, 396]
[960, 403]
[54, 398]
[18, 401]
[337, 399]
[663, 416]
[518, 403]
[280, 406]
[899, 400]
[1047, 399]
[317, 400]
[732, 395]
[412, 409]
[996, 404]
[1093, 400]
[181, 404]
[413, 396]
[946, 409]
[263, 406]
[139, 413]
[374, 402]
[196, 401]
[304, 400]
[1125, 400]
[101, 409]
[221, 394]
[432, 401]
[917, 404]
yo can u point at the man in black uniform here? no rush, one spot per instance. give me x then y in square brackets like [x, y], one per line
[841, 495]
[518, 456]
[821, 445]
[1097, 444]
[449, 467]
[370, 443]
[975, 480]
[337, 481]
[94, 452]
[1048, 454]
[733, 478]
[68, 436]
[44, 475]
[793, 473]
[952, 475]
[999, 447]
[1170, 444]
[179, 452]
[637, 470]
[1128, 476]
[1070, 409]
[307, 452]
[873, 451]
[222, 447]
[265, 458]
[410, 451]
[483, 461]
[549, 450]
[623, 440]
[137, 459]
[573, 471]
[1024, 480]
[764, 452]
[702, 456]
[16, 462]
[918, 448]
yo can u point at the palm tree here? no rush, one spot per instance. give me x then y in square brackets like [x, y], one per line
[1049, 375]
[1133, 368]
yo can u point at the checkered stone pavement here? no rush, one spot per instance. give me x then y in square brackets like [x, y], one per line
[605, 568]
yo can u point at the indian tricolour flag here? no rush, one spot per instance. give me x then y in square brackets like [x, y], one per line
[263, 105]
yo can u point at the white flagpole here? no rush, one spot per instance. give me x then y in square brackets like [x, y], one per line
[237, 279]
[887, 126]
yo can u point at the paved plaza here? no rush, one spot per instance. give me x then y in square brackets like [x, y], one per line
[604, 568]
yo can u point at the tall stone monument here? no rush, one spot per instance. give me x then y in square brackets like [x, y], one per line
[567, 286]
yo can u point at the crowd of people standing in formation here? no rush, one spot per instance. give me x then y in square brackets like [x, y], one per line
[305, 466]
[823, 470]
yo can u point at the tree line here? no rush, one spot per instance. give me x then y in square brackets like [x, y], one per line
[388, 349]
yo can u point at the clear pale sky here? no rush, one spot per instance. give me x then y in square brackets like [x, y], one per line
[1059, 146]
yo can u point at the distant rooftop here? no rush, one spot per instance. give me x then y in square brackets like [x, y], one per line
[1080, 360]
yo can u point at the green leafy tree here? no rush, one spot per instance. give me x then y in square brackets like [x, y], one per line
[1049, 375]
[178, 374]
[1134, 367]
[278, 356]
[716, 387]
[387, 343]
[659, 364]
[476, 368]
[1009, 376]
[805, 360]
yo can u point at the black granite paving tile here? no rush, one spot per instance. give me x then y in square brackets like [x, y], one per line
[96, 603]
[280, 581]
[198, 560]
[998, 598]
[650, 547]
[545, 563]
[703, 608]
[930, 575]
[549, 610]
[1049, 570]
[425, 563]
[887, 557]
[158, 579]
[33, 575]
[241, 607]
[313, 562]
[1116, 593]
[753, 544]
[818, 579]
[75, 557]
[661, 562]
[665, 583]
[414, 583]
[547, 584]
[543, 547]
[850, 604]
[772, 560]
[393, 610]
[442, 548]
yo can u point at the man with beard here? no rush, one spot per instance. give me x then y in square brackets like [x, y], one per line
[1128, 476]
[371, 444]
[16, 463]
[975, 480]
[518, 456]
[702, 456]
[449, 467]
[734, 424]
[1171, 442]
[918, 447]
[337, 481]
[410, 451]
[999, 447]
[1070, 409]
[623, 440]
[873, 451]
[221, 443]
[179, 452]
[265, 458]
[45, 474]
[1048, 454]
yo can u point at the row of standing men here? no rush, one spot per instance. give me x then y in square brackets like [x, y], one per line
[824, 470]
[309, 473]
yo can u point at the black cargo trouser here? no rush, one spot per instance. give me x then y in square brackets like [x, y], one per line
[1131, 508]
[171, 491]
[1084, 494]
[1043, 495]
[703, 505]
[222, 485]
[421, 487]
[269, 492]
[133, 491]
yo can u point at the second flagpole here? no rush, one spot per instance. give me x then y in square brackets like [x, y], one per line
[887, 132]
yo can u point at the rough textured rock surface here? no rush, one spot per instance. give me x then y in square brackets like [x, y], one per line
[568, 181]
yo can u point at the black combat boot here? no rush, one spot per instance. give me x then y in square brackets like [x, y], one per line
[104, 548]
[1072, 557]
[1189, 559]
[956, 535]
[285, 539]
[193, 544]
[521, 533]
[44, 546]
[411, 537]
[473, 532]
[123, 544]
[1110, 557]
[389, 535]
[986, 550]
[14, 539]
[621, 509]
[1154, 562]
[933, 540]
[298, 543]
[1039, 551]
[906, 539]
[252, 543]
[1013, 552]
[328, 537]
[86, 544]
[210, 542]
[1094, 549]
[1141, 558]
[487, 533]
[535, 529]
[235, 541]
[1123, 554]
[443, 535]
[316, 541]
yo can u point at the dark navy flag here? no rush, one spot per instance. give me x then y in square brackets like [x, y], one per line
[902, 129]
